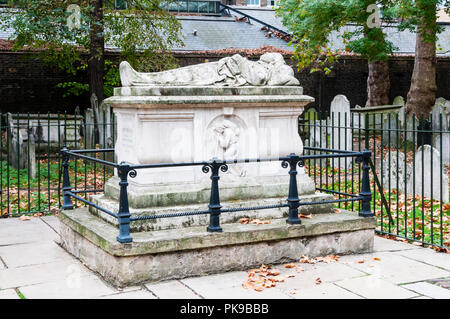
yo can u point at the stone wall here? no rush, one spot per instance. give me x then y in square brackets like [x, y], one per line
[26, 85]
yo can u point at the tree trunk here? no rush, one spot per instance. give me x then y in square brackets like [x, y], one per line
[96, 61]
[422, 93]
[378, 83]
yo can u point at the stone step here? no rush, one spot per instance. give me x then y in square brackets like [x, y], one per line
[192, 251]
[203, 220]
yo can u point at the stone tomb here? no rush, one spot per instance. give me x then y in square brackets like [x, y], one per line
[230, 109]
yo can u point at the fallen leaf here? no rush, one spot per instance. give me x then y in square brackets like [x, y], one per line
[299, 269]
[273, 272]
[291, 265]
[292, 292]
[305, 216]
[336, 210]
[290, 276]
[244, 220]
[318, 281]
[23, 217]
[258, 288]
[278, 279]
[360, 261]
[247, 285]
[376, 258]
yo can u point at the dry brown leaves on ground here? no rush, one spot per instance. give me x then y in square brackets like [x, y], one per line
[246, 220]
[263, 277]
[327, 259]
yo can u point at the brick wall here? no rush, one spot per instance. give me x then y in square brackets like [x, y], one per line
[26, 85]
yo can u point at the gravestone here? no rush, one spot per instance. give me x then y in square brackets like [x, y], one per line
[399, 100]
[21, 144]
[440, 124]
[318, 138]
[391, 130]
[357, 121]
[412, 124]
[394, 171]
[342, 133]
[428, 175]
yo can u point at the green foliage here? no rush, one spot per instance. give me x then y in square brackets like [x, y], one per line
[313, 21]
[111, 79]
[144, 33]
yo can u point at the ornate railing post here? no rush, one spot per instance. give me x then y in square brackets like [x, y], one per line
[67, 204]
[124, 211]
[365, 193]
[293, 200]
[214, 201]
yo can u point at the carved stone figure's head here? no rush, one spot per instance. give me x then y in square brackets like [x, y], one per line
[272, 58]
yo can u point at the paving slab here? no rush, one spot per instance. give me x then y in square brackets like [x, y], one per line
[383, 244]
[15, 231]
[229, 286]
[42, 273]
[8, 294]
[394, 267]
[322, 291]
[429, 290]
[52, 222]
[32, 254]
[81, 288]
[135, 294]
[427, 256]
[373, 287]
[173, 289]
[327, 273]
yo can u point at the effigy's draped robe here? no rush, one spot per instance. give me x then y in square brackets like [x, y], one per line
[236, 70]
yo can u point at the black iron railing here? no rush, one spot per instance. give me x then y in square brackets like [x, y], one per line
[214, 167]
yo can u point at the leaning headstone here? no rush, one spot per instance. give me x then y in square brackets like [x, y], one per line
[395, 172]
[391, 131]
[89, 128]
[441, 128]
[318, 138]
[21, 143]
[357, 121]
[399, 100]
[428, 174]
[412, 124]
[342, 132]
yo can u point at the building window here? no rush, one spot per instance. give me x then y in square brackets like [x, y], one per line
[253, 3]
[273, 3]
[193, 6]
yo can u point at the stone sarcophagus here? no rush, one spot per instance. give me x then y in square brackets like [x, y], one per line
[234, 110]
[230, 109]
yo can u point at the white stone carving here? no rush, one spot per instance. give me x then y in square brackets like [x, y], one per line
[270, 70]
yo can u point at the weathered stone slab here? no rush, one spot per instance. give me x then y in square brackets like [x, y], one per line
[193, 251]
[197, 220]
[342, 133]
[428, 175]
[373, 287]
[441, 125]
[394, 171]
[429, 290]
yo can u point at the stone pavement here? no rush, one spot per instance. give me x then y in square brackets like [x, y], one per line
[32, 265]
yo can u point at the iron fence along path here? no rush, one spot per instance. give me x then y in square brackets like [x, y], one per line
[30, 161]
[409, 168]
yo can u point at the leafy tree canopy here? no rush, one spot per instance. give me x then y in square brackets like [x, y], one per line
[143, 32]
[313, 21]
